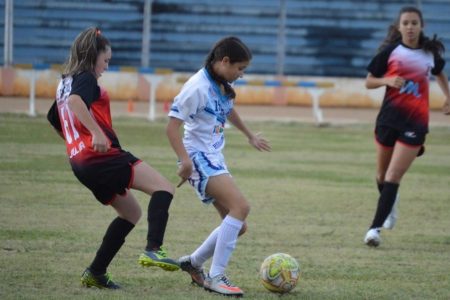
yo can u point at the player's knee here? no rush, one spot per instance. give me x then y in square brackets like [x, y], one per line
[165, 185]
[380, 177]
[170, 189]
[245, 209]
[243, 229]
[394, 176]
[132, 218]
[134, 215]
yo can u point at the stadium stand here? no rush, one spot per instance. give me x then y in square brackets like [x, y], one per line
[323, 37]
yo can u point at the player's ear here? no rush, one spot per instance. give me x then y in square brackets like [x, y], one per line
[225, 60]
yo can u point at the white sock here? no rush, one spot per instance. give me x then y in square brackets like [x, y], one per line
[206, 249]
[226, 242]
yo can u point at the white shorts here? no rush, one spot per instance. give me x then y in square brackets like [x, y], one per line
[205, 166]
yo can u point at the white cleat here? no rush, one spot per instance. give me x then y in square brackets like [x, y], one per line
[221, 285]
[372, 238]
[391, 219]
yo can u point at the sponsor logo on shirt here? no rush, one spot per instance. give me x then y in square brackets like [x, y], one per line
[410, 87]
[219, 143]
[218, 129]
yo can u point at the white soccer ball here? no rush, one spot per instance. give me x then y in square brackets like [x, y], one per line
[279, 273]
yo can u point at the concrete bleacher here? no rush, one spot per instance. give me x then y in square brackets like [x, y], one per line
[44, 30]
[323, 37]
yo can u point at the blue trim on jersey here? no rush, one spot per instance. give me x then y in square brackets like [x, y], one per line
[223, 98]
[213, 82]
[210, 110]
[225, 104]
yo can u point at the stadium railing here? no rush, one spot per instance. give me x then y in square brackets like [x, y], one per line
[155, 75]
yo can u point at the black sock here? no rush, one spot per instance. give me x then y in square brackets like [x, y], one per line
[157, 217]
[380, 186]
[385, 203]
[112, 241]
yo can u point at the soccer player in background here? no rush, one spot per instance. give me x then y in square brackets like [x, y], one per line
[405, 61]
[204, 104]
[81, 115]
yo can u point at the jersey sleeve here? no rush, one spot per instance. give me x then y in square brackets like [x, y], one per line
[379, 64]
[439, 64]
[53, 116]
[85, 85]
[187, 103]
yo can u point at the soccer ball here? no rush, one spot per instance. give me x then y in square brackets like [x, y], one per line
[279, 273]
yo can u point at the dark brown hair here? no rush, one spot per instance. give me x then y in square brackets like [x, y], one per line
[433, 45]
[235, 50]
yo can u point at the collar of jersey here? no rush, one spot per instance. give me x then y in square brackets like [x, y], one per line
[407, 47]
[215, 86]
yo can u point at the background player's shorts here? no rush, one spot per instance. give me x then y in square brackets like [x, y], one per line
[387, 137]
[205, 166]
[109, 177]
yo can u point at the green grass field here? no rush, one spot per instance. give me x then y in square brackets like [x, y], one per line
[313, 197]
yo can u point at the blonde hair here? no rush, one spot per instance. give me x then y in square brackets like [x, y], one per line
[84, 51]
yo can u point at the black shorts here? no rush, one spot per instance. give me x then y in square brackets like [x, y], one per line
[109, 177]
[388, 136]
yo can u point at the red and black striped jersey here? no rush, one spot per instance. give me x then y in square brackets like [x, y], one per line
[406, 108]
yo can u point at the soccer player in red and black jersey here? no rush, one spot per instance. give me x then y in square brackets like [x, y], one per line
[404, 64]
[81, 115]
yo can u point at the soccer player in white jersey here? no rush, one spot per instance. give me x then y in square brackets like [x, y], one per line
[204, 105]
[404, 63]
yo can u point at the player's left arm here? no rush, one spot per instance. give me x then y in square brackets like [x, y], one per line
[442, 81]
[254, 139]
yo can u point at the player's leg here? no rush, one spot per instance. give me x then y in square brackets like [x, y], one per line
[384, 155]
[193, 264]
[223, 212]
[129, 212]
[385, 138]
[151, 182]
[401, 160]
[225, 192]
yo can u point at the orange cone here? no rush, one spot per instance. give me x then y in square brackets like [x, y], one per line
[130, 106]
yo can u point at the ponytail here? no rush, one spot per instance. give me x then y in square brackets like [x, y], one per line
[84, 51]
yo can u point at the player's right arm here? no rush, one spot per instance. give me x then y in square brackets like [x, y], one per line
[378, 67]
[373, 82]
[173, 134]
[100, 142]
[53, 118]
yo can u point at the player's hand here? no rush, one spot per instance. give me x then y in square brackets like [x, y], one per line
[184, 171]
[100, 142]
[395, 81]
[259, 142]
[446, 107]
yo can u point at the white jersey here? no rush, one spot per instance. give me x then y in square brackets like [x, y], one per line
[204, 110]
